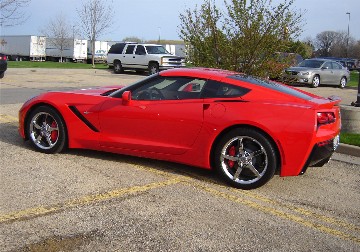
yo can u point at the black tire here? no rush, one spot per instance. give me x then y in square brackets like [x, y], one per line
[118, 67]
[343, 82]
[315, 81]
[245, 158]
[153, 68]
[2, 74]
[46, 130]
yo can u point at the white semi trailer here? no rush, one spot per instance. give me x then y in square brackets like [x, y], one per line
[23, 47]
[101, 49]
[68, 50]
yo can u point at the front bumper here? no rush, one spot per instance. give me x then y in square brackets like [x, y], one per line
[321, 153]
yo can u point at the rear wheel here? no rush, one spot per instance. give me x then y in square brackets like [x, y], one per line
[46, 130]
[245, 158]
[343, 82]
[118, 67]
[316, 81]
[153, 68]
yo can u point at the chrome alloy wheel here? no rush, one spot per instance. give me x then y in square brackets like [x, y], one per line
[316, 81]
[244, 160]
[44, 130]
[343, 82]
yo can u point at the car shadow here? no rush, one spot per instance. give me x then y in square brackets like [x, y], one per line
[168, 168]
[128, 72]
[9, 135]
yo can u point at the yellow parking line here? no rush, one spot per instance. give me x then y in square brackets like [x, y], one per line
[7, 118]
[43, 210]
[278, 213]
[253, 195]
[191, 180]
[304, 212]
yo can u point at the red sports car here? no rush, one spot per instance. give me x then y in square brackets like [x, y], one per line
[245, 128]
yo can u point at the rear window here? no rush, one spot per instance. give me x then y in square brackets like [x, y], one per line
[271, 85]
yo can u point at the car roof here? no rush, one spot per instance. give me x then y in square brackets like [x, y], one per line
[322, 59]
[199, 72]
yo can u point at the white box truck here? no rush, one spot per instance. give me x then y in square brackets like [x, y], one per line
[23, 47]
[72, 50]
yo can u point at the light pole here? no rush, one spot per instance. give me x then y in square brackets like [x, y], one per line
[159, 29]
[348, 34]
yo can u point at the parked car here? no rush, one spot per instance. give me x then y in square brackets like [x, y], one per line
[3, 65]
[345, 62]
[142, 57]
[243, 127]
[319, 71]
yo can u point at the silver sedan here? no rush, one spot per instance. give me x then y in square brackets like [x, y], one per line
[316, 71]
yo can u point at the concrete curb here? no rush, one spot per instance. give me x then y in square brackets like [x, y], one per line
[348, 149]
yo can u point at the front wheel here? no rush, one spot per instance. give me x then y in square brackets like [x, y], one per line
[316, 81]
[46, 130]
[245, 158]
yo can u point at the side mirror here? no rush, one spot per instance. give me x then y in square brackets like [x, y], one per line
[126, 98]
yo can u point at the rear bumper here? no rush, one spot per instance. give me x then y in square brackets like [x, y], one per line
[321, 153]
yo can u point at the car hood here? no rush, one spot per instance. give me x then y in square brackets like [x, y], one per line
[96, 90]
[168, 56]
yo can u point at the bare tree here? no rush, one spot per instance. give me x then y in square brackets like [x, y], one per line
[58, 32]
[11, 13]
[324, 42]
[96, 17]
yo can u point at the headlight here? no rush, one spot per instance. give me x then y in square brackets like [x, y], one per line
[305, 73]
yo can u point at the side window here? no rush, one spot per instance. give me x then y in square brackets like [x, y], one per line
[169, 88]
[216, 89]
[140, 50]
[336, 66]
[130, 49]
[328, 65]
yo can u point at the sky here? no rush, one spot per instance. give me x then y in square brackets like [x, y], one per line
[149, 19]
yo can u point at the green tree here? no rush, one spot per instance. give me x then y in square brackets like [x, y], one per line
[245, 36]
[202, 32]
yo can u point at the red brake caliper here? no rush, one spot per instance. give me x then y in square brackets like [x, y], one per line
[232, 152]
[54, 133]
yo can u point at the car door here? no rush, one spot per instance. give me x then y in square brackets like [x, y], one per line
[338, 72]
[165, 123]
[128, 56]
[326, 73]
[139, 58]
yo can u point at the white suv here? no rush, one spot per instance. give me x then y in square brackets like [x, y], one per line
[142, 57]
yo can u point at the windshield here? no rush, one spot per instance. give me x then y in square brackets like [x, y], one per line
[156, 50]
[311, 63]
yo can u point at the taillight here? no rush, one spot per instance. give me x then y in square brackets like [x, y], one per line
[325, 117]
[3, 57]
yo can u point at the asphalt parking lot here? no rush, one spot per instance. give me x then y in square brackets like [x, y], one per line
[91, 201]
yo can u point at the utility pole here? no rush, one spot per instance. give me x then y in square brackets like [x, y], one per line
[348, 35]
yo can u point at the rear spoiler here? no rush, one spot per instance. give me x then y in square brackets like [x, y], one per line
[334, 98]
